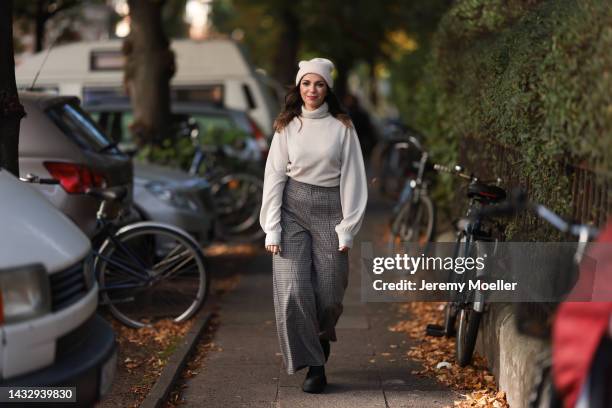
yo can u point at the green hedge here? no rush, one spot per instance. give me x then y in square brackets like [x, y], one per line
[532, 75]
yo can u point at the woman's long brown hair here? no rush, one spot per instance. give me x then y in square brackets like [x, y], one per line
[293, 108]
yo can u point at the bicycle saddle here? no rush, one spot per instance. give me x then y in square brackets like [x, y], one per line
[486, 192]
[108, 194]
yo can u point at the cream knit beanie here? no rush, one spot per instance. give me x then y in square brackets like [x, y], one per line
[321, 66]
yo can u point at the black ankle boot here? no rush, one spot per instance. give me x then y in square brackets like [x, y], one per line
[315, 380]
[325, 344]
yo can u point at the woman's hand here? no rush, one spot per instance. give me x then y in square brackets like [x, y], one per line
[275, 249]
[343, 248]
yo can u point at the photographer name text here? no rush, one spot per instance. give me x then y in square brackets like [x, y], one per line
[407, 285]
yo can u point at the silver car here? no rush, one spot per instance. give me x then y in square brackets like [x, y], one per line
[59, 140]
[172, 196]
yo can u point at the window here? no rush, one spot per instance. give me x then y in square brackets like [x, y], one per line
[217, 129]
[200, 93]
[114, 124]
[80, 128]
[208, 123]
[94, 96]
[123, 120]
[106, 60]
[248, 96]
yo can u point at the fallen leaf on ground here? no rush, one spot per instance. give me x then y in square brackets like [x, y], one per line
[479, 383]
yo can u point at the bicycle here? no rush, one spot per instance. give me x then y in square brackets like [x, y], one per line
[414, 218]
[544, 393]
[146, 270]
[465, 310]
[237, 195]
[389, 163]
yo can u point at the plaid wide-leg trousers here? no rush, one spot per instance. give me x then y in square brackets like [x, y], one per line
[310, 275]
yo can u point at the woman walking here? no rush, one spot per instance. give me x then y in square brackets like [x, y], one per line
[314, 198]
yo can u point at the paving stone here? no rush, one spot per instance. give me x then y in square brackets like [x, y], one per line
[336, 396]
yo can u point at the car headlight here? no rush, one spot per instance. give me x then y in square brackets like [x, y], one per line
[24, 293]
[174, 198]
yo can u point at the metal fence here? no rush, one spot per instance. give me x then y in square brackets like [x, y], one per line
[591, 200]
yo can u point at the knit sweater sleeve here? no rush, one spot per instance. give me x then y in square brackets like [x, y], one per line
[353, 189]
[275, 177]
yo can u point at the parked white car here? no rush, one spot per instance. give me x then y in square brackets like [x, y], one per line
[51, 335]
[215, 70]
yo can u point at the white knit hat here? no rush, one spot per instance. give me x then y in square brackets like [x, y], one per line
[321, 66]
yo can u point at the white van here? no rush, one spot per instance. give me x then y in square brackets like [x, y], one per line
[215, 70]
[51, 334]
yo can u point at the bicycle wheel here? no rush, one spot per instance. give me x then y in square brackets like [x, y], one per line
[452, 307]
[238, 202]
[468, 317]
[149, 271]
[415, 222]
[467, 332]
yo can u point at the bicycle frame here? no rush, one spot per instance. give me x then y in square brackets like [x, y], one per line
[472, 228]
[107, 232]
[204, 157]
[198, 158]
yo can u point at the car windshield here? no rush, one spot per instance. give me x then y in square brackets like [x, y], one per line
[211, 125]
[79, 126]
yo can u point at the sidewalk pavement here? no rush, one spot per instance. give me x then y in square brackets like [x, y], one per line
[367, 367]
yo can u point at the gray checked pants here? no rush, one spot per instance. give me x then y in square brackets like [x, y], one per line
[310, 275]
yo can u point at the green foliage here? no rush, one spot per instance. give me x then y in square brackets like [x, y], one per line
[255, 19]
[178, 152]
[349, 33]
[173, 153]
[173, 19]
[530, 75]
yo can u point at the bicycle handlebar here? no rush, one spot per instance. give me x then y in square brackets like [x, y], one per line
[108, 194]
[562, 225]
[518, 202]
[455, 171]
[444, 169]
[31, 178]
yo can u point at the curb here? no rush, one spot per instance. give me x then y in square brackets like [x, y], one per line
[160, 390]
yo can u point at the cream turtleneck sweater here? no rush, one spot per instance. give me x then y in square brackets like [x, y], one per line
[324, 152]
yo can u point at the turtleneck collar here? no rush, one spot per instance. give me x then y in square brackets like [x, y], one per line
[321, 112]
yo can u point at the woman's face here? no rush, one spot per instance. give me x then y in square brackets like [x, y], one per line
[313, 90]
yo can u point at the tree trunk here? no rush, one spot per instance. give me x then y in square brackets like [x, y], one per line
[285, 61]
[11, 111]
[148, 69]
[41, 20]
